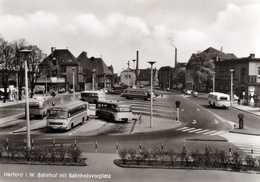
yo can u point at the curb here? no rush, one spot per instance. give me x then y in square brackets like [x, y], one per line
[245, 133]
[235, 108]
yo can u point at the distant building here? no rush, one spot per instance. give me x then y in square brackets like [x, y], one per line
[246, 77]
[58, 70]
[128, 77]
[199, 64]
[144, 77]
[165, 77]
[95, 66]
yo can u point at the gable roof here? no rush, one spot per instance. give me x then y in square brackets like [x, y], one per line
[89, 64]
[208, 55]
[63, 57]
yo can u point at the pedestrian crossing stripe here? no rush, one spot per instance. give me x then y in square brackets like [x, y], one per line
[192, 131]
[202, 131]
[181, 128]
[188, 129]
[210, 132]
[218, 133]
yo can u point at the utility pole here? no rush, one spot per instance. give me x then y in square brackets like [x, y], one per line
[213, 80]
[128, 67]
[93, 79]
[28, 128]
[151, 93]
[231, 86]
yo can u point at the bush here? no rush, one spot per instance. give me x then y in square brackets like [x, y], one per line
[122, 154]
[132, 154]
[74, 153]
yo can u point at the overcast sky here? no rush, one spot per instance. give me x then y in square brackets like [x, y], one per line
[115, 29]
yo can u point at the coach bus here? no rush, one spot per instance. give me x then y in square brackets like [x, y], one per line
[217, 99]
[114, 111]
[132, 93]
[67, 116]
[38, 106]
[92, 96]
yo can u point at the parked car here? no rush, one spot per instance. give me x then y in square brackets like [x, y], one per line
[194, 93]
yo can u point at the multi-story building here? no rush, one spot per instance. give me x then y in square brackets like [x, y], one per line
[200, 65]
[97, 68]
[59, 69]
[246, 77]
[128, 77]
[165, 77]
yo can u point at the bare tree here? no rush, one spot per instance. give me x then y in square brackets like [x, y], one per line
[7, 66]
[35, 59]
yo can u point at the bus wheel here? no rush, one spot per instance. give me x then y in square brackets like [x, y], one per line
[71, 126]
[214, 104]
[83, 120]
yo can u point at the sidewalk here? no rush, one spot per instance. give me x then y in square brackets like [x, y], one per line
[158, 124]
[249, 109]
[9, 103]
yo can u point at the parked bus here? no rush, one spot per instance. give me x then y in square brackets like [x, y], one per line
[67, 116]
[114, 111]
[38, 106]
[92, 96]
[217, 99]
[132, 93]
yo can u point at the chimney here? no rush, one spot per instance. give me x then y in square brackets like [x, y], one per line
[176, 62]
[252, 56]
[137, 67]
[53, 49]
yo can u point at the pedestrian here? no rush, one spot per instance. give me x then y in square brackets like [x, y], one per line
[140, 118]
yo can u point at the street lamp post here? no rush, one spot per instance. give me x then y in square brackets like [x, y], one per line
[73, 82]
[128, 67]
[151, 93]
[135, 74]
[26, 53]
[93, 79]
[213, 84]
[231, 86]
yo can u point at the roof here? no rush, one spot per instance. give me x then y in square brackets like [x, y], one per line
[238, 60]
[210, 54]
[63, 56]
[69, 105]
[89, 64]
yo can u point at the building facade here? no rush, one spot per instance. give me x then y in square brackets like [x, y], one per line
[246, 78]
[200, 67]
[128, 77]
[60, 65]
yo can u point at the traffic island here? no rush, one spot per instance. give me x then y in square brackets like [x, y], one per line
[210, 159]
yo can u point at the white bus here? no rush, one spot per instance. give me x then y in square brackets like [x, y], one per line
[67, 116]
[217, 99]
[38, 106]
[92, 96]
[114, 111]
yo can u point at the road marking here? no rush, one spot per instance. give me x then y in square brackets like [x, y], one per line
[219, 133]
[192, 131]
[188, 129]
[210, 132]
[181, 128]
[202, 131]
[198, 109]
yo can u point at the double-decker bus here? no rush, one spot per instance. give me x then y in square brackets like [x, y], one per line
[67, 116]
[114, 111]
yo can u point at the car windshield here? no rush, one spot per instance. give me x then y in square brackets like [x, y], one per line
[59, 114]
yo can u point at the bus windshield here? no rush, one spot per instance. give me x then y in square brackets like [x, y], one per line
[123, 109]
[60, 114]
